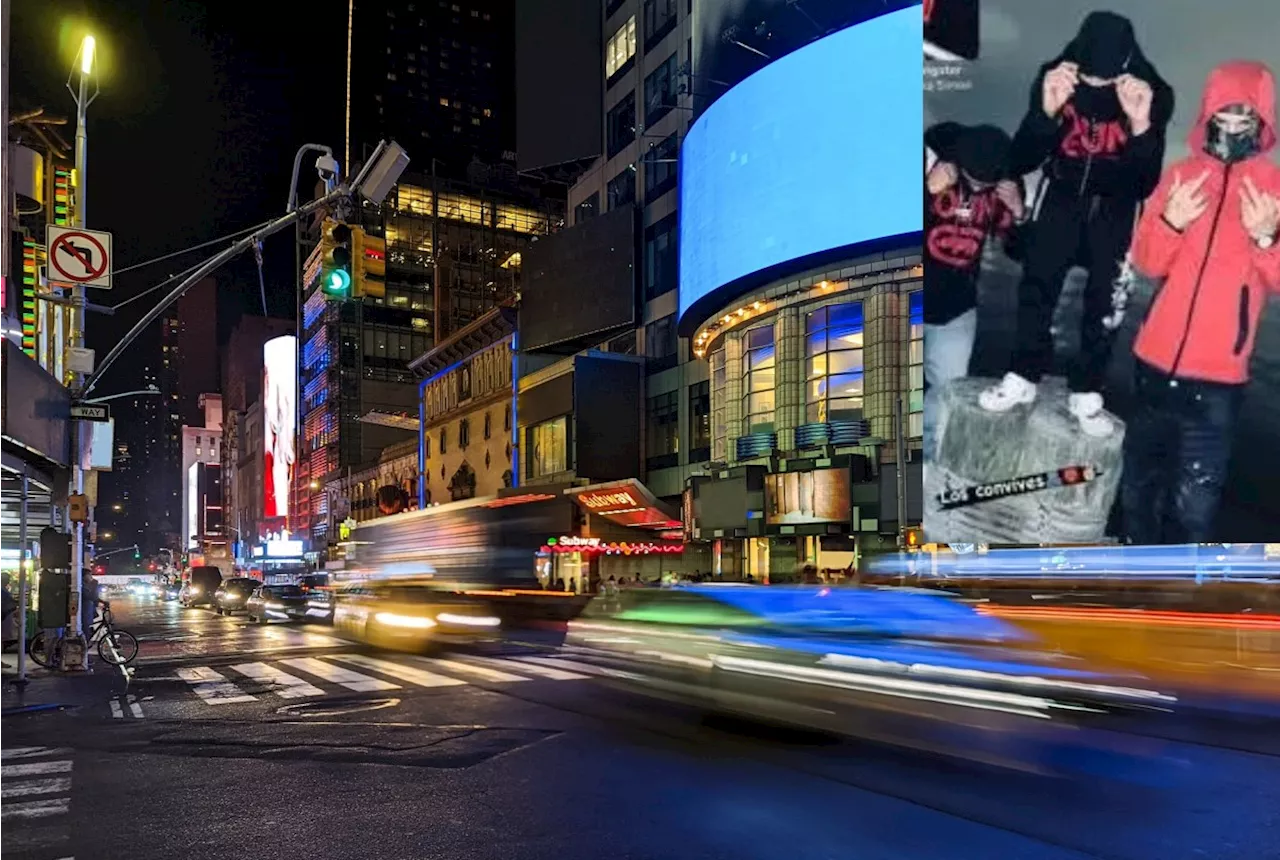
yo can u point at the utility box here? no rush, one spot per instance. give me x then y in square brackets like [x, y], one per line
[55, 598]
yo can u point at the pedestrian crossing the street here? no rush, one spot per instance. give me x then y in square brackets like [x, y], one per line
[313, 677]
[35, 797]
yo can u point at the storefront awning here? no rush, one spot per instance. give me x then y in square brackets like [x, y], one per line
[627, 503]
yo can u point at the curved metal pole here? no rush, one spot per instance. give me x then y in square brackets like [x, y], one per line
[209, 266]
[297, 166]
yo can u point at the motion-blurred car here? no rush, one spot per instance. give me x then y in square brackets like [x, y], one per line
[407, 615]
[908, 668]
[276, 603]
[319, 594]
[233, 594]
[171, 591]
[142, 588]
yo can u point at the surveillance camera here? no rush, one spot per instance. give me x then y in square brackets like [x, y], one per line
[327, 167]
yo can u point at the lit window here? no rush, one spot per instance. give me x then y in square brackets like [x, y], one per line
[759, 361]
[488, 112]
[834, 378]
[391, 76]
[475, 120]
[547, 444]
[444, 102]
[620, 48]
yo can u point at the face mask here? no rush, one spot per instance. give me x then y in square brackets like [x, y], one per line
[1230, 147]
[1097, 103]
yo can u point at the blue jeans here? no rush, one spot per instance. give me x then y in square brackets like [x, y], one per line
[1177, 447]
[947, 349]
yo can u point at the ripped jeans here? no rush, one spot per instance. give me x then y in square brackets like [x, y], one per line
[1177, 447]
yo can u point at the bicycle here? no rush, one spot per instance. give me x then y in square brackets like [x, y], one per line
[115, 646]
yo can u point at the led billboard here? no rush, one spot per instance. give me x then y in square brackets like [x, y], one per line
[801, 498]
[1099, 358]
[279, 416]
[816, 152]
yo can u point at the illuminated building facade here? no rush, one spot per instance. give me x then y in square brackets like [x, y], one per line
[356, 356]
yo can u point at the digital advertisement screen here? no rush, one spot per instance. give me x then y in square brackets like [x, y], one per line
[814, 152]
[1102, 241]
[279, 417]
[799, 498]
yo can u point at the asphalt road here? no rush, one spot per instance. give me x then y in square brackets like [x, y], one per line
[232, 741]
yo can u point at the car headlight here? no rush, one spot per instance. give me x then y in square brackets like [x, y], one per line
[412, 621]
[468, 620]
[195, 589]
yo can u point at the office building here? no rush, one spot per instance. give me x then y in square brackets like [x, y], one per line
[436, 77]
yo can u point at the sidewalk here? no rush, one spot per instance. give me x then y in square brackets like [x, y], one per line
[50, 691]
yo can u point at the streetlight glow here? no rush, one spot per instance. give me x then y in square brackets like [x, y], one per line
[86, 55]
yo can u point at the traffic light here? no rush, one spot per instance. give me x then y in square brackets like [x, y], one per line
[335, 273]
[912, 536]
[137, 553]
[369, 265]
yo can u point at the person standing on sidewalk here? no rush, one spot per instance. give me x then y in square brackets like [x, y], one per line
[88, 602]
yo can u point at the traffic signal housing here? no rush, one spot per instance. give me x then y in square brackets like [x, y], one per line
[912, 537]
[369, 265]
[335, 271]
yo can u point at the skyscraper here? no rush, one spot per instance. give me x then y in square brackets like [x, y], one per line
[438, 77]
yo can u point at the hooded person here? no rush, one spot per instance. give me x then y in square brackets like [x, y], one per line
[969, 198]
[1209, 238]
[1096, 128]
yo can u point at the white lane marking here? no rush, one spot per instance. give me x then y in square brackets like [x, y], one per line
[53, 785]
[32, 752]
[135, 707]
[283, 684]
[338, 675]
[212, 687]
[420, 677]
[585, 668]
[36, 808]
[40, 768]
[545, 670]
[471, 669]
[116, 711]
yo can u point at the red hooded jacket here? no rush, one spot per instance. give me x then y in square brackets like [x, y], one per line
[1204, 319]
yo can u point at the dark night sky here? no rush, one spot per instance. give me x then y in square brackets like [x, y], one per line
[193, 135]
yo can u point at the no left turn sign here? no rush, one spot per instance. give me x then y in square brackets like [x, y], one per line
[79, 257]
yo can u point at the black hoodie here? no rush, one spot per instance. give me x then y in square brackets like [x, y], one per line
[958, 221]
[1088, 147]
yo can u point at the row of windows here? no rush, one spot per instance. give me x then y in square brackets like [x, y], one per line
[662, 422]
[547, 445]
[464, 433]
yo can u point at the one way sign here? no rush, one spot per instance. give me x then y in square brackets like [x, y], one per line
[90, 412]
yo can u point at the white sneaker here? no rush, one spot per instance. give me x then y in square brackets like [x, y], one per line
[1012, 391]
[1087, 408]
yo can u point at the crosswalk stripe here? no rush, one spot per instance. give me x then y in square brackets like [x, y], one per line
[283, 684]
[213, 687]
[471, 669]
[36, 808]
[544, 669]
[32, 752]
[40, 768]
[587, 669]
[53, 785]
[351, 680]
[420, 677]
[117, 712]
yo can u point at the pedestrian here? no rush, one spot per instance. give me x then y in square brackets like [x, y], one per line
[88, 602]
[1209, 234]
[10, 616]
[1096, 128]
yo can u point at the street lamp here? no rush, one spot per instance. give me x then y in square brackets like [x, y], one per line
[117, 507]
[88, 53]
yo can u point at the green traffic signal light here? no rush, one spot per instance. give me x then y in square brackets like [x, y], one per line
[137, 554]
[337, 282]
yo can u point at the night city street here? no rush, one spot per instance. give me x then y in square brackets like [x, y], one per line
[496, 753]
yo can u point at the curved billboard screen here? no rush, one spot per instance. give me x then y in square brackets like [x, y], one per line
[817, 151]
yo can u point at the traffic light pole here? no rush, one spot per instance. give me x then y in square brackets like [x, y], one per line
[204, 269]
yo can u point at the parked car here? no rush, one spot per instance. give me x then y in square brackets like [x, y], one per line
[234, 594]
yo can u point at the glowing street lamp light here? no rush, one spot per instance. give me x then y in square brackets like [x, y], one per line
[86, 55]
